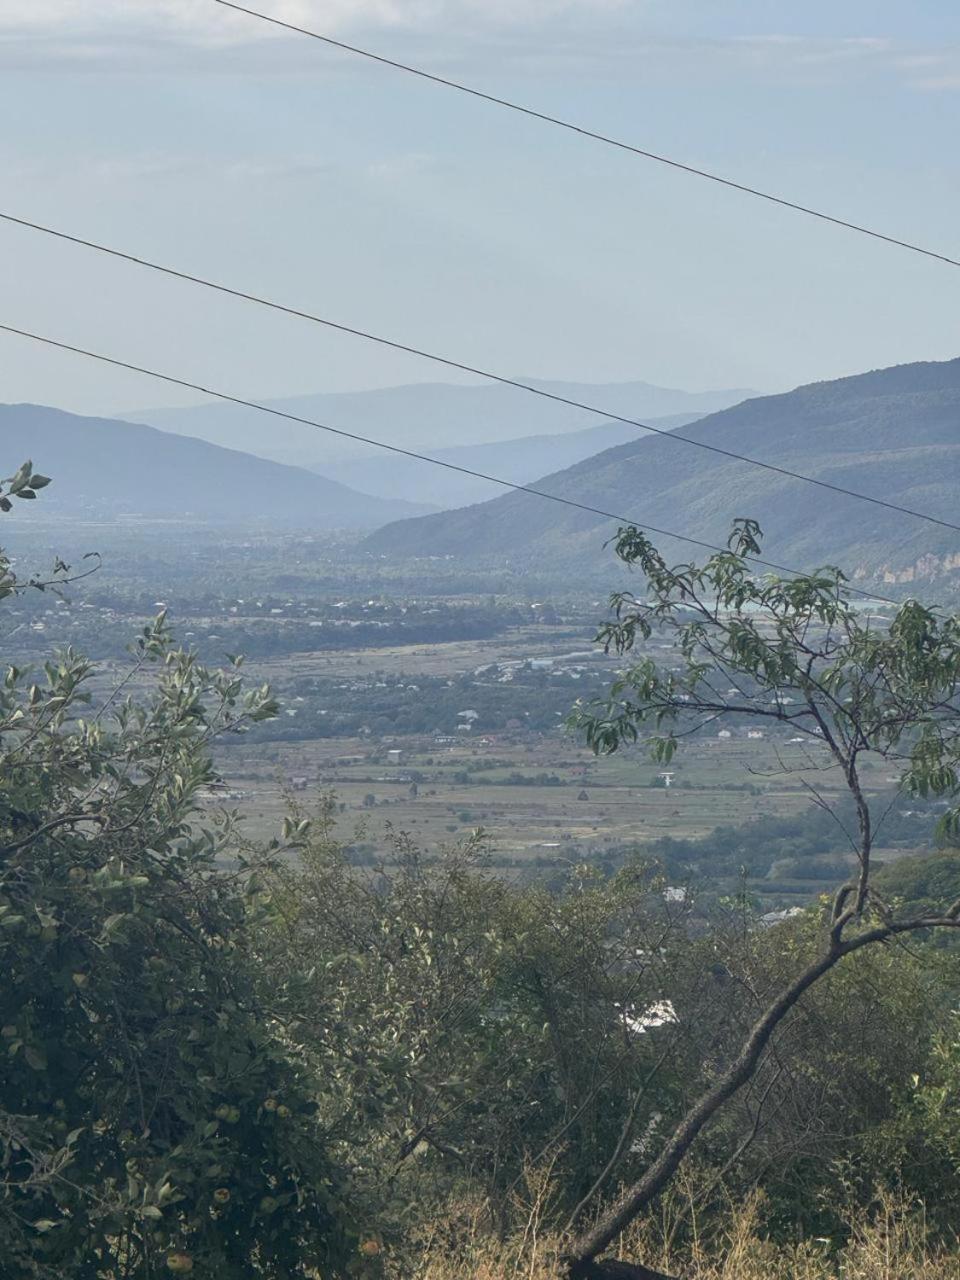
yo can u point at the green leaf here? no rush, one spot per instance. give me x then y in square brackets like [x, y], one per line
[35, 1058]
[18, 481]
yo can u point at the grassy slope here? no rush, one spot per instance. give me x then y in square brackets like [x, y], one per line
[894, 434]
[106, 467]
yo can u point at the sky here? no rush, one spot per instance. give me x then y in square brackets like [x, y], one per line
[207, 140]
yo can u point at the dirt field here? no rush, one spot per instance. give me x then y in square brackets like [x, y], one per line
[597, 804]
[542, 799]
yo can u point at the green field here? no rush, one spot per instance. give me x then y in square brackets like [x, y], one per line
[584, 807]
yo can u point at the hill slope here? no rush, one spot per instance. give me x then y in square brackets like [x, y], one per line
[103, 467]
[893, 433]
[424, 416]
[519, 461]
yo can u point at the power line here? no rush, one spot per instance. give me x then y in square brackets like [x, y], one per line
[594, 136]
[462, 367]
[393, 448]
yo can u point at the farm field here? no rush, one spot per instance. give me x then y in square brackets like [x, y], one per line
[524, 643]
[438, 739]
[542, 800]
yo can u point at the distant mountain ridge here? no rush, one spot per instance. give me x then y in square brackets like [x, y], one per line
[893, 433]
[104, 467]
[422, 416]
[517, 461]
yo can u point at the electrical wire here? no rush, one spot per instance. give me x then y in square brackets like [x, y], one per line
[462, 367]
[171, 380]
[594, 136]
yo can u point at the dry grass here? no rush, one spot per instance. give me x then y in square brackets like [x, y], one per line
[892, 1244]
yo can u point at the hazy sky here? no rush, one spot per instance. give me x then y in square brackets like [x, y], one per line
[179, 130]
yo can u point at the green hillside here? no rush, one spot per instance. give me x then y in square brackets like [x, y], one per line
[520, 461]
[892, 433]
[106, 468]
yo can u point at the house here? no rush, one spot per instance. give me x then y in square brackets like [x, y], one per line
[771, 918]
[395, 755]
[724, 733]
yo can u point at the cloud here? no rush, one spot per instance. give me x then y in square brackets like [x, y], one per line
[184, 36]
[938, 84]
[812, 59]
[205, 22]
[556, 36]
[148, 167]
[397, 168]
[811, 50]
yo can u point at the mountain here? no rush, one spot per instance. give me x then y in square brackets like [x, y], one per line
[892, 433]
[104, 468]
[423, 416]
[519, 461]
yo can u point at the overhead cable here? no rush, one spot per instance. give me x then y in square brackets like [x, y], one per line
[594, 136]
[171, 380]
[463, 367]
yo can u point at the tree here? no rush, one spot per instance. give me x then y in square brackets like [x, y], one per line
[450, 1010]
[797, 654]
[150, 1115]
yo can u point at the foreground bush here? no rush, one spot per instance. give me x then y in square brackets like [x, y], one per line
[151, 1120]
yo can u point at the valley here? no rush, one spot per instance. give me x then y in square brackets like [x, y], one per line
[435, 704]
[426, 671]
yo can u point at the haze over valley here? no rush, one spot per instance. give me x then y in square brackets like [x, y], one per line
[891, 434]
[489, 427]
